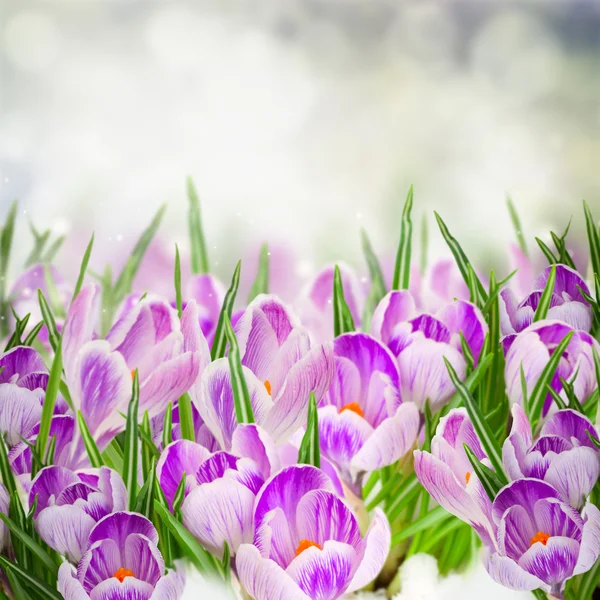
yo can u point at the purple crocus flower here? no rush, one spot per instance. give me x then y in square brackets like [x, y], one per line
[563, 455]
[446, 473]
[281, 370]
[567, 303]
[315, 303]
[69, 504]
[363, 424]
[420, 343]
[208, 292]
[168, 354]
[122, 562]
[221, 487]
[542, 541]
[307, 542]
[530, 351]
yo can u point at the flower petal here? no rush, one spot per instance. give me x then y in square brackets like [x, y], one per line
[49, 483]
[395, 307]
[100, 562]
[119, 525]
[169, 587]
[507, 572]
[463, 317]
[552, 562]
[129, 589]
[68, 585]
[79, 326]
[143, 559]
[590, 540]
[18, 363]
[570, 425]
[253, 442]
[524, 492]
[20, 410]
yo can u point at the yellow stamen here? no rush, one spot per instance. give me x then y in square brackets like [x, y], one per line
[122, 573]
[540, 536]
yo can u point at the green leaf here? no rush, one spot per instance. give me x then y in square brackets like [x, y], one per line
[186, 418]
[546, 298]
[53, 249]
[53, 335]
[261, 283]
[51, 451]
[538, 395]
[424, 244]
[377, 280]
[310, 448]
[226, 563]
[148, 447]
[570, 392]
[241, 395]
[441, 533]
[593, 238]
[401, 279]
[482, 429]
[177, 277]
[556, 397]
[197, 239]
[220, 340]
[89, 442]
[6, 239]
[493, 392]
[167, 435]
[407, 492]
[488, 478]
[514, 217]
[389, 489]
[32, 544]
[461, 258]
[433, 517]
[541, 595]
[342, 317]
[83, 268]
[179, 494]
[49, 401]
[130, 462]
[8, 477]
[145, 499]
[40, 240]
[191, 548]
[29, 580]
[55, 300]
[125, 279]
[546, 252]
[113, 456]
[467, 354]
[33, 334]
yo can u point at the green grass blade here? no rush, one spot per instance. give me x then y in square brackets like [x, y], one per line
[6, 239]
[8, 477]
[130, 454]
[167, 435]
[179, 494]
[342, 317]
[408, 491]
[514, 217]
[401, 279]
[461, 258]
[53, 249]
[261, 283]
[241, 395]
[544, 304]
[177, 277]
[197, 239]
[593, 238]
[220, 341]
[89, 442]
[53, 335]
[125, 279]
[494, 387]
[537, 398]
[148, 447]
[546, 251]
[83, 268]
[27, 579]
[482, 429]
[488, 478]
[433, 517]
[310, 448]
[113, 456]
[31, 337]
[377, 280]
[145, 500]
[186, 418]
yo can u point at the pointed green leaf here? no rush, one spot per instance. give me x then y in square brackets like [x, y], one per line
[261, 283]
[31, 337]
[186, 418]
[167, 435]
[401, 279]
[593, 238]
[588, 583]
[220, 340]
[546, 251]
[83, 268]
[433, 517]
[546, 297]
[29, 580]
[148, 447]
[377, 280]
[6, 239]
[89, 442]
[241, 395]
[113, 456]
[559, 401]
[488, 478]
[514, 217]
[130, 455]
[53, 335]
[8, 477]
[53, 249]
[310, 448]
[179, 494]
[493, 391]
[342, 317]
[145, 499]
[482, 429]
[408, 491]
[177, 277]
[197, 239]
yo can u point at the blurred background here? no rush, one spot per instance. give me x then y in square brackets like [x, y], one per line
[301, 121]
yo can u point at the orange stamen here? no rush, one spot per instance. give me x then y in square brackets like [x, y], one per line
[268, 386]
[540, 536]
[305, 544]
[133, 374]
[122, 573]
[467, 477]
[354, 407]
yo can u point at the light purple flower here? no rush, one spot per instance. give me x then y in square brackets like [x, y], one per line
[567, 304]
[542, 541]
[420, 343]
[446, 473]
[307, 542]
[69, 504]
[4, 531]
[315, 303]
[208, 292]
[363, 424]
[443, 284]
[531, 350]
[168, 354]
[122, 562]
[221, 487]
[563, 455]
[281, 370]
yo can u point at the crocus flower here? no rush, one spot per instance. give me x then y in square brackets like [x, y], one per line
[542, 541]
[531, 350]
[168, 355]
[122, 562]
[69, 504]
[446, 473]
[208, 292]
[315, 302]
[443, 283]
[307, 542]
[220, 488]
[281, 370]
[563, 455]
[420, 343]
[363, 424]
[566, 304]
